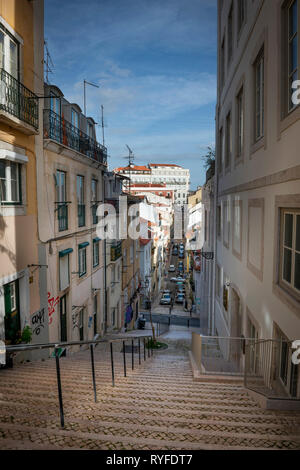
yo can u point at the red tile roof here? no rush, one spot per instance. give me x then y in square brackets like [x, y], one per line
[134, 168]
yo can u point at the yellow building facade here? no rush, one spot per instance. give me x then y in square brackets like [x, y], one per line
[21, 67]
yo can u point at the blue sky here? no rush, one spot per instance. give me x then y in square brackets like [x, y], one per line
[155, 62]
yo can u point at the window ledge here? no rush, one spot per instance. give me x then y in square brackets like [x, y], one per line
[257, 146]
[12, 210]
[287, 298]
[292, 117]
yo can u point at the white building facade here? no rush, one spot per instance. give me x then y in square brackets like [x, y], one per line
[257, 210]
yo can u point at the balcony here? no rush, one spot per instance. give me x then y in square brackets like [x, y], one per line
[94, 214]
[19, 107]
[81, 215]
[63, 132]
[116, 251]
[62, 215]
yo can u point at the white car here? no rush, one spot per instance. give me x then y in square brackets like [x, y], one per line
[171, 268]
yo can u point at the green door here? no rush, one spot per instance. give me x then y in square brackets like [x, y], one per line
[12, 312]
[63, 318]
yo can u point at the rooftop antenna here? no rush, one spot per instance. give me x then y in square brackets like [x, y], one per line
[130, 159]
[85, 82]
[49, 66]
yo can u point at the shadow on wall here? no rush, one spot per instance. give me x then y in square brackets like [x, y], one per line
[4, 243]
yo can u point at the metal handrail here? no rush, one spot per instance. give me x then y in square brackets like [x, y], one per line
[92, 343]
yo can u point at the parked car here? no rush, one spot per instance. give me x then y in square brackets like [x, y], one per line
[175, 252]
[166, 291]
[181, 255]
[165, 300]
[180, 298]
[177, 279]
[171, 268]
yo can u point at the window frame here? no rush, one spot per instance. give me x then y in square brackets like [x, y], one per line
[240, 127]
[260, 59]
[290, 287]
[82, 250]
[96, 246]
[8, 182]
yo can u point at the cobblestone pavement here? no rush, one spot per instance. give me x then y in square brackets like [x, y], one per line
[157, 406]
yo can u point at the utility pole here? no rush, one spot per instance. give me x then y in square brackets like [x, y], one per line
[102, 124]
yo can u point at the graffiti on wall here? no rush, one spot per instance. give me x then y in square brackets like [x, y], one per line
[52, 303]
[38, 322]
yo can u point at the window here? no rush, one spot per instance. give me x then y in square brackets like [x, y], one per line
[95, 252]
[80, 201]
[82, 260]
[9, 53]
[131, 253]
[230, 33]
[259, 95]
[228, 141]
[61, 193]
[240, 122]
[221, 149]
[10, 182]
[74, 118]
[241, 4]
[64, 271]
[290, 250]
[292, 28]
[222, 64]
[219, 221]
[94, 198]
[54, 104]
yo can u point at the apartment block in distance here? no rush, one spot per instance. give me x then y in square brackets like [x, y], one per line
[257, 262]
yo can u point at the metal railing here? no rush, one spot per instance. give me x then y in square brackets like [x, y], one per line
[269, 369]
[58, 347]
[62, 215]
[220, 355]
[63, 132]
[81, 215]
[18, 100]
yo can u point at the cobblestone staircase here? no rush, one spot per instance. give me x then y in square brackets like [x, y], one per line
[157, 406]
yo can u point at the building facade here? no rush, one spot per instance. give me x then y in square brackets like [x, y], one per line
[70, 189]
[174, 177]
[257, 210]
[22, 293]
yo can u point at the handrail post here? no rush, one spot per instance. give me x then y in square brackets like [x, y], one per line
[124, 358]
[139, 351]
[112, 365]
[93, 371]
[144, 349]
[60, 399]
[148, 343]
[132, 354]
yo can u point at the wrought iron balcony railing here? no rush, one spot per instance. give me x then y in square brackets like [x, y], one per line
[62, 214]
[18, 100]
[116, 251]
[63, 132]
[81, 215]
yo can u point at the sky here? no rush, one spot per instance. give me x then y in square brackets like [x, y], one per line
[155, 64]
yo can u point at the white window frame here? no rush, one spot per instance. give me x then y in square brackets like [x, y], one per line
[81, 261]
[10, 37]
[291, 285]
[8, 183]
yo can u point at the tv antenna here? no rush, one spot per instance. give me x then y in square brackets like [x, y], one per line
[102, 123]
[48, 62]
[130, 158]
